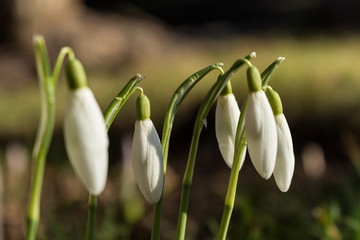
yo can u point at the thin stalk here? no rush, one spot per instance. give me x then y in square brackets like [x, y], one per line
[200, 119]
[92, 207]
[268, 72]
[177, 98]
[231, 191]
[44, 134]
[109, 116]
[118, 102]
[240, 147]
[60, 60]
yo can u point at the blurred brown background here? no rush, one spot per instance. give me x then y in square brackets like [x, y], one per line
[167, 41]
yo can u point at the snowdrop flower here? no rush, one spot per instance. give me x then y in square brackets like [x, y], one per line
[285, 159]
[86, 138]
[260, 127]
[147, 158]
[226, 120]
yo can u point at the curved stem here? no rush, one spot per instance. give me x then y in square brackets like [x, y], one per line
[240, 147]
[200, 119]
[109, 116]
[118, 102]
[60, 60]
[177, 98]
[268, 72]
[44, 135]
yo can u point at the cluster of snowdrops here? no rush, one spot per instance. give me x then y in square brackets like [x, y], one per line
[259, 128]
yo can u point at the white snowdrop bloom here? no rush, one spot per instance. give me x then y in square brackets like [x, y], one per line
[147, 157]
[86, 139]
[285, 159]
[260, 127]
[226, 120]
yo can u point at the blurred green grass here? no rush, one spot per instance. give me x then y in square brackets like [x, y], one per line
[319, 77]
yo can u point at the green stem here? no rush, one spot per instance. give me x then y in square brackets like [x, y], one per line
[200, 119]
[109, 116]
[240, 147]
[268, 72]
[60, 60]
[177, 98]
[44, 134]
[231, 191]
[118, 102]
[92, 207]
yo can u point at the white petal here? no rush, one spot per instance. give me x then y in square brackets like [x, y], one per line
[285, 159]
[260, 130]
[147, 160]
[86, 139]
[226, 121]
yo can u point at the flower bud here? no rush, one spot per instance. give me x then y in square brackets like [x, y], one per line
[260, 130]
[226, 120]
[147, 157]
[86, 139]
[285, 159]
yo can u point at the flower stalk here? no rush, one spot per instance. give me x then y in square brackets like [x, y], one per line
[200, 119]
[47, 85]
[175, 102]
[109, 116]
[240, 149]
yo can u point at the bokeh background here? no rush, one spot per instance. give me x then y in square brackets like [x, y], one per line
[167, 41]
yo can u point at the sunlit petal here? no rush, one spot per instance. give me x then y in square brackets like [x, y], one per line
[86, 139]
[226, 121]
[260, 130]
[147, 160]
[285, 159]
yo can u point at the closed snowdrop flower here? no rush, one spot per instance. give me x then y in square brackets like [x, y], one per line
[285, 159]
[260, 127]
[147, 158]
[86, 138]
[226, 121]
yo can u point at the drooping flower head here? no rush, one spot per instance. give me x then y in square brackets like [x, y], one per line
[85, 135]
[226, 120]
[285, 159]
[147, 157]
[260, 127]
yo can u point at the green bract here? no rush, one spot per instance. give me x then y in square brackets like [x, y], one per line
[143, 110]
[275, 101]
[253, 79]
[227, 89]
[75, 74]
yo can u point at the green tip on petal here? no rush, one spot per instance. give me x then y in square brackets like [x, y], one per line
[275, 101]
[142, 108]
[75, 74]
[254, 79]
[227, 89]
